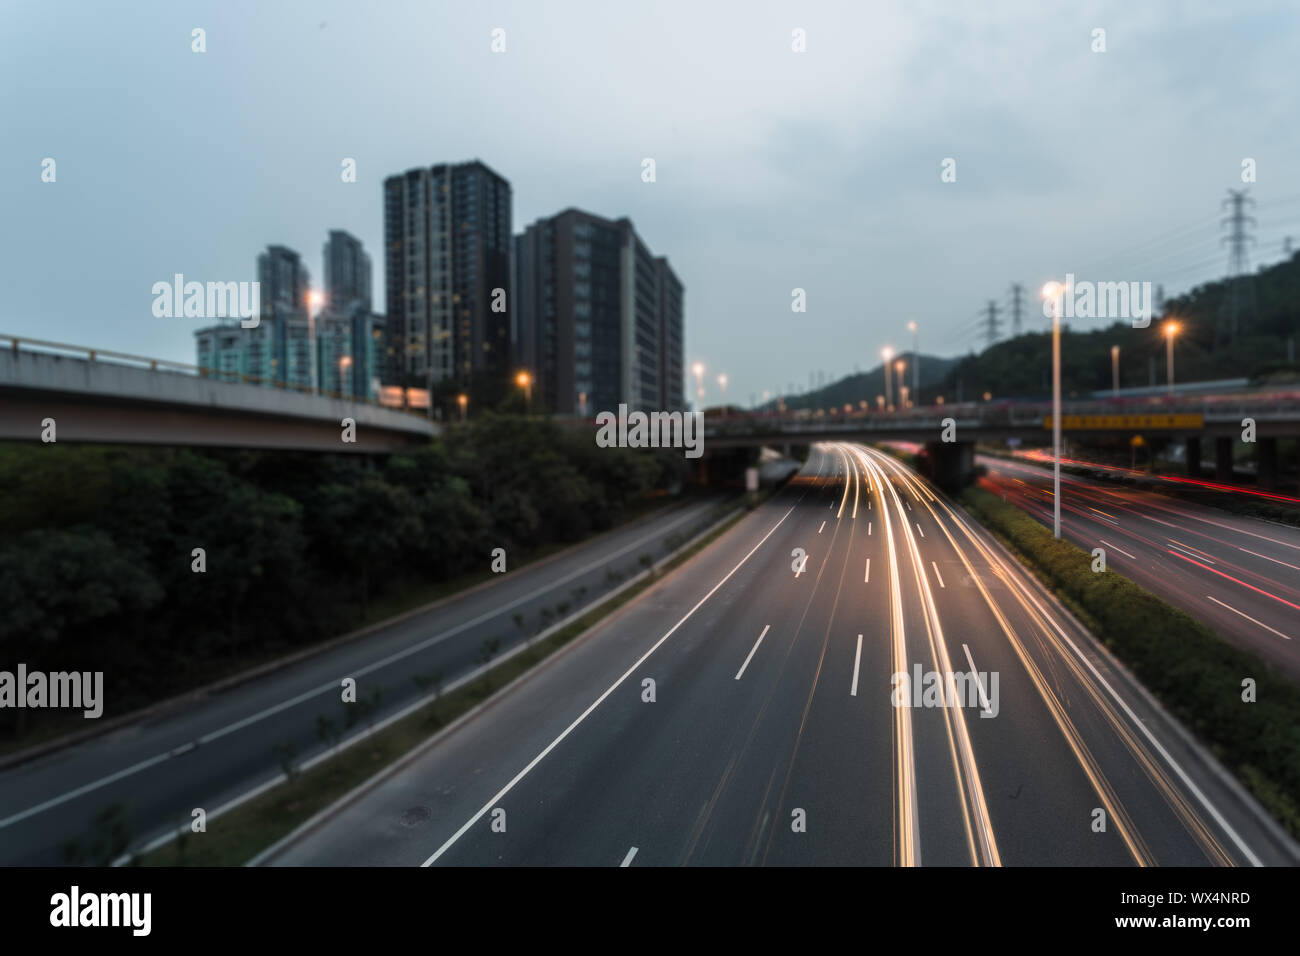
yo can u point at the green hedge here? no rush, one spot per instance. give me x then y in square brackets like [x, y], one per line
[1195, 673]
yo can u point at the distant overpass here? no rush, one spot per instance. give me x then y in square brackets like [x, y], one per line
[109, 397]
[1189, 418]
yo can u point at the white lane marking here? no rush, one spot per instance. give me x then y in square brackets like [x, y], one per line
[918, 528]
[1191, 554]
[822, 528]
[978, 683]
[1247, 617]
[1267, 558]
[496, 798]
[627, 860]
[938, 575]
[908, 503]
[857, 659]
[866, 578]
[1120, 550]
[868, 528]
[751, 651]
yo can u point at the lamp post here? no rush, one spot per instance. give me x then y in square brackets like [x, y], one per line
[899, 367]
[1114, 370]
[1170, 330]
[1052, 292]
[345, 361]
[314, 299]
[887, 354]
[916, 363]
[698, 369]
[463, 401]
[722, 385]
[525, 381]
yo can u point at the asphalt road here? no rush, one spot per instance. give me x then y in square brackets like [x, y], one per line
[209, 752]
[770, 734]
[1241, 576]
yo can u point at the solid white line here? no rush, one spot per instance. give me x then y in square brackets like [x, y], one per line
[1120, 550]
[822, 528]
[857, 658]
[751, 651]
[1267, 558]
[918, 528]
[627, 860]
[597, 702]
[978, 683]
[866, 579]
[1248, 617]
[938, 575]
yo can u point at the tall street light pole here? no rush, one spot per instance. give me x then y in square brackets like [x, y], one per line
[1114, 370]
[1171, 329]
[916, 364]
[722, 384]
[1052, 292]
[698, 369]
[888, 354]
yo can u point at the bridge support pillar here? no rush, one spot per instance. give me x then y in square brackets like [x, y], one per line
[952, 464]
[1193, 458]
[1266, 463]
[1223, 459]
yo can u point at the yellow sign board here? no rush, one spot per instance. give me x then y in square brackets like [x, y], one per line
[1126, 422]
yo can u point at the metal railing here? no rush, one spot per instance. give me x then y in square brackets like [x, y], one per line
[19, 343]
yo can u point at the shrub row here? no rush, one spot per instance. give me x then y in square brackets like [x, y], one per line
[1196, 674]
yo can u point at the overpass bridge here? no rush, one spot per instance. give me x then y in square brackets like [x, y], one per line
[110, 397]
[1192, 419]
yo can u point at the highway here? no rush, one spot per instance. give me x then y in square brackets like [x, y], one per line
[211, 750]
[742, 712]
[1239, 575]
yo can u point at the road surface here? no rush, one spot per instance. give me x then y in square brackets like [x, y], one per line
[1241, 576]
[210, 752]
[770, 733]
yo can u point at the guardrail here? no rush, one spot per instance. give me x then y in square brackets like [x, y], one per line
[18, 343]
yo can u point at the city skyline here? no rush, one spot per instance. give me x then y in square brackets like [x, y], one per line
[832, 193]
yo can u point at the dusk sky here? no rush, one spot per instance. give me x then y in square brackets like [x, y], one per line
[775, 169]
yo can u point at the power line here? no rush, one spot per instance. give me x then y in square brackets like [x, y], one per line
[1241, 290]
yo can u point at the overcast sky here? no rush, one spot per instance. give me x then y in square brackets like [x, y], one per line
[775, 170]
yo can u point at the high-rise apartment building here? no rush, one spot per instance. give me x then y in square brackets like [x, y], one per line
[599, 316]
[347, 272]
[447, 271]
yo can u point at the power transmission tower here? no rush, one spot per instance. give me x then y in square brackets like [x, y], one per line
[992, 324]
[1241, 290]
[1017, 292]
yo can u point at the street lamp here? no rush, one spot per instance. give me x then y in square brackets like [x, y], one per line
[1171, 329]
[1052, 292]
[887, 354]
[899, 366]
[314, 299]
[1114, 370]
[525, 381]
[463, 401]
[916, 364]
[698, 369]
[722, 384]
[345, 362]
